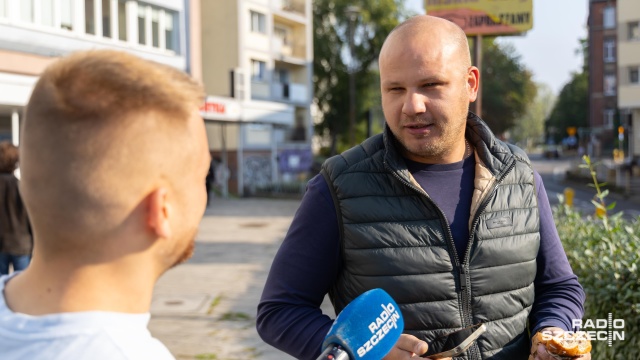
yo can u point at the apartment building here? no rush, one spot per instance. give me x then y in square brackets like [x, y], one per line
[628, 35]
[603, 74]
[33, 33]
[257, 58]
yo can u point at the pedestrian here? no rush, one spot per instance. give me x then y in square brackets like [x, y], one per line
[16, 241]
[209, 180]
[452, 222]
[113, 159]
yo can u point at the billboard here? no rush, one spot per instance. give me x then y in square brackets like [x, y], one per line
[485, 17]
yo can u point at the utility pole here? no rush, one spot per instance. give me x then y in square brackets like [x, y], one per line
[477, 61]
[352, 12]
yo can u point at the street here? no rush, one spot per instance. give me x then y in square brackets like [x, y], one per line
[553, 175]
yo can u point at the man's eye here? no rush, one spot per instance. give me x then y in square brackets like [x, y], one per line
[431, 84]
[395, 89]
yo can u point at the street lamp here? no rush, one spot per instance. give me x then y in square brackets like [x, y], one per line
[352, 12]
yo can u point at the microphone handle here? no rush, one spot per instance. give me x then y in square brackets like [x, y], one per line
[334, 352]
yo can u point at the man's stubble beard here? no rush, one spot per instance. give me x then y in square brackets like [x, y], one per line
[188, 251]
[437, 146]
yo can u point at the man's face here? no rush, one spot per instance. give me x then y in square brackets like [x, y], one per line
[192, 192]
[425, 96]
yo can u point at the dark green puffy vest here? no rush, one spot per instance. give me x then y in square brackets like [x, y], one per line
[395, 238]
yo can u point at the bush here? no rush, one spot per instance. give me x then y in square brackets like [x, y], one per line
[604, 252]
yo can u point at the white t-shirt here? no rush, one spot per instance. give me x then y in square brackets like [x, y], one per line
[91, 335]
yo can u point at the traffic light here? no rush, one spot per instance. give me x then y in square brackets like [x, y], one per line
[621, 133]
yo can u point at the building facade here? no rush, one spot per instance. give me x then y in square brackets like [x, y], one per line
[628, 34]
[603, 74]
[257, 57]
[33, 33]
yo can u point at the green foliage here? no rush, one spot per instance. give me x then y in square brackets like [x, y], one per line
[507, 88]
[572, 107]
[331, 61]
[604, 252]
[529, 128]
[235, 316]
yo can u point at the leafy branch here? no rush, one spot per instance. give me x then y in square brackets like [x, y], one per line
[599, 201]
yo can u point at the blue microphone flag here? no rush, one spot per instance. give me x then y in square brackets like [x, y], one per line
[368, 327]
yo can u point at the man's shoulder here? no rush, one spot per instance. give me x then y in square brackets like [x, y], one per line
[139, 345]
[370, 149]
[63, 336]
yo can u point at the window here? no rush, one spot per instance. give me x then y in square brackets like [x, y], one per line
[122, 20]
[258, 22]
[281, 75]
[3, 8]
[142, 25]
[26, 11]
[170, 34]
[106, 18]
[610, 84]
[89, 19]
[609, 17]
[607, 120]
[634, 76]
[258, 70]
[634, 31]
[609, 49]
[281, 33]
[66, 14]
[46, 13]
[155, 27]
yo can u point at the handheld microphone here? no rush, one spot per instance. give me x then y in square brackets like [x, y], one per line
[366, 329]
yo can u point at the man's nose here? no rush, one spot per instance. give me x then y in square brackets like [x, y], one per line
[414, 103]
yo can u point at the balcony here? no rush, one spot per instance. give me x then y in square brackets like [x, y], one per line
[288, 51]
[259, 90]
[294, 6]
[297, 93]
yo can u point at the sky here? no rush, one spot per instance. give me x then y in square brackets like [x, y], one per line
[549, 49]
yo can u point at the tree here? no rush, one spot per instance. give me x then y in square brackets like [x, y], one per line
[572, 107]
[530, 127]
[507, 88]
[332, 61]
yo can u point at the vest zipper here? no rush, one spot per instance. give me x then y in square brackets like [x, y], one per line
[443, 217]
[466, 319]
[463, 269]
[474, 351]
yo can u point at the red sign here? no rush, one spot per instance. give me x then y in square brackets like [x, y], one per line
[214, 107]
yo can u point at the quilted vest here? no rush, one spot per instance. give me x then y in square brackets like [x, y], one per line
[394, 237]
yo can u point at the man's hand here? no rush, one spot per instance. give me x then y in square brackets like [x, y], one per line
[539, 351]
[407, 347]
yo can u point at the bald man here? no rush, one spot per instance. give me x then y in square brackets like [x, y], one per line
[449, 220]
[113, 158]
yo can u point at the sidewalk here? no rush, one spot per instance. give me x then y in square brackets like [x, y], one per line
[205, 309]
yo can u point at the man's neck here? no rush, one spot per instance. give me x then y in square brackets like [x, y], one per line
[59, 287]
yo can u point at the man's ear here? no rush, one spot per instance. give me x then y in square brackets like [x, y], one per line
[158, 213]
[473, 83]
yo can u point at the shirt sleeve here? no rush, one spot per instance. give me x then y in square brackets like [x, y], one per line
[306, 265]
[559, 297]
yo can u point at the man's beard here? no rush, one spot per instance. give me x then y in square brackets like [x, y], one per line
[187, 253]
[438, 145]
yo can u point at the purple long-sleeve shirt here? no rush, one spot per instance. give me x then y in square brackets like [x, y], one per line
[308, 261]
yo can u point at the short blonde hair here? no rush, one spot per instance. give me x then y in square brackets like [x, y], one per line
[100, 126]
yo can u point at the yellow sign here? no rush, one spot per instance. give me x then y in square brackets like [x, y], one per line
[485, 17]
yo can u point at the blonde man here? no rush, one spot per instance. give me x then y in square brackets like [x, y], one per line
[113, 160]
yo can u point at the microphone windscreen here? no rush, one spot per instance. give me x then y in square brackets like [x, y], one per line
[368, 327]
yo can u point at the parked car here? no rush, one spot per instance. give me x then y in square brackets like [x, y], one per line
[552, 151]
